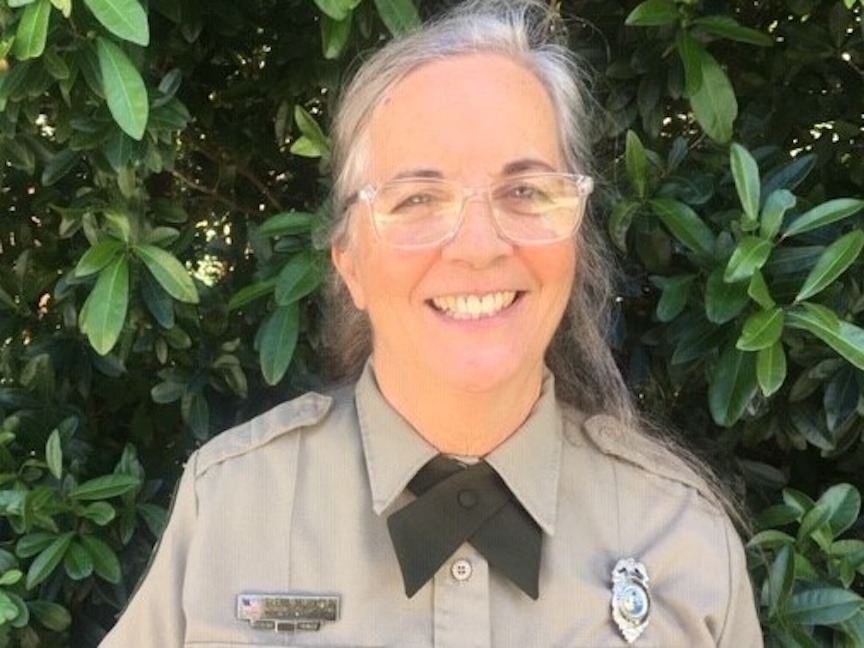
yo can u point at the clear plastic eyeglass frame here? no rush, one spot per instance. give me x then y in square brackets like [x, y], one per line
[528, 209]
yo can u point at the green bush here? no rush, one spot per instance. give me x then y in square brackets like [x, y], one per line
[164, 183]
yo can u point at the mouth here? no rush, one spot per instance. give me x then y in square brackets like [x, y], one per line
[474, 307]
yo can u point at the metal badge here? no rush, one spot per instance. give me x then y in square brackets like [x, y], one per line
[630, 601]
[287, 612]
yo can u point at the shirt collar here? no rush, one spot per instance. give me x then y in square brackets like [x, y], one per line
[528, 461]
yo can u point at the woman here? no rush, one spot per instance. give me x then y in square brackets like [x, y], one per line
[484, 482]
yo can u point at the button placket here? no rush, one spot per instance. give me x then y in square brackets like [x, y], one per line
[461, 601]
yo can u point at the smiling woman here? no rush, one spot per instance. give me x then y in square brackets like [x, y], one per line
[481, 479]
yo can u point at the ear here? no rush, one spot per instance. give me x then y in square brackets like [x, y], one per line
[345, 262]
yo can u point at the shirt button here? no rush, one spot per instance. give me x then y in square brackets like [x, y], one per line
[467, 498]
[461, 569]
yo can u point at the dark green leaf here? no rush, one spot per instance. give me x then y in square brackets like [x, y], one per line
[724, 301]
[123, 18]
[653, 13]
[196, 413]
[155, 517]
[169, 272]
[843, 501]
[834, 262]
[733, 385]
[33, 543]
[790, 175]
[278, 338]
[781, 578]
[776, 205]
[714, 104]
[824, 214]
[676, 291]
[298, 278]
[51, 615]
[286, 224]
[103, 487]
[77, 562]
[249, 294]
[822, 606]
[620, 220]
[749, 256]
[105, 561]
[104, 312]
[100, 512]
[32, 30]
[729, 28]
[124, 89]
[685, 225]
[60, 165]
[637, 169]
[46, 562]
[399, 16]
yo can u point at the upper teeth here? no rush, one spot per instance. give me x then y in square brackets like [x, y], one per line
[474, 306]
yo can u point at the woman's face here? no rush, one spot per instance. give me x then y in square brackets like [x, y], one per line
[474, 119]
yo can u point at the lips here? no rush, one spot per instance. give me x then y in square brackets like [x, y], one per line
[473, 307]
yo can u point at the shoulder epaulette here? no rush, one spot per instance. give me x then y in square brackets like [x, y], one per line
[614, 438]
[301, 412]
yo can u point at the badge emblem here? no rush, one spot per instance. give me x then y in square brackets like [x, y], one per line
[630, 601]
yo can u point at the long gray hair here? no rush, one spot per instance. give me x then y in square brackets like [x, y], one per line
[529, 33]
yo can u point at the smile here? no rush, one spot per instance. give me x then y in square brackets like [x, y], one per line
[472, 307]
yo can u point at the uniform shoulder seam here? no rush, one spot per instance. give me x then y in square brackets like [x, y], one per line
[305, 411]
[612, 437]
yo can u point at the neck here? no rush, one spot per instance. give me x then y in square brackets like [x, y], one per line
[457, 421]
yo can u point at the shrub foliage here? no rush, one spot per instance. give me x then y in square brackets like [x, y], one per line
[163, 191]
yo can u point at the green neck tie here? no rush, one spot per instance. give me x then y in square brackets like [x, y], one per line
[455, 504]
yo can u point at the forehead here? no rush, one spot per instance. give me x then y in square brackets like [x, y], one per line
[466, 117]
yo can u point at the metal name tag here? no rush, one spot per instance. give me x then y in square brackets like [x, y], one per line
[287, 612]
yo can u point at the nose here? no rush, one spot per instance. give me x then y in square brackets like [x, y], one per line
[477, 241]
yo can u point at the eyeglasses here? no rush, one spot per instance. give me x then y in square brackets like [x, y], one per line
[531, 209]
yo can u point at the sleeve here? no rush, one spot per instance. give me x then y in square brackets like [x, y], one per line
[742, 620]
[154, 615]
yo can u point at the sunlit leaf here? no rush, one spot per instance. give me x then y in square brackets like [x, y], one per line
[125, 19]
[750, 255]
[745, 172]
[822, 606]
[653, 13]
[124, 89]
[824, 214]
[169, 272]
[845, 338]
[761, 330]
[836, 259]
[32, 30]
[104, 312]
[103, 487]
[771, 368]
[54, 454]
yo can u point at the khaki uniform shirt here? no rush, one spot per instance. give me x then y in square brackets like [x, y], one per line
[296, 501]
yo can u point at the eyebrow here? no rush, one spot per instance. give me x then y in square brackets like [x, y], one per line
[526, 164]
[511, 168]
